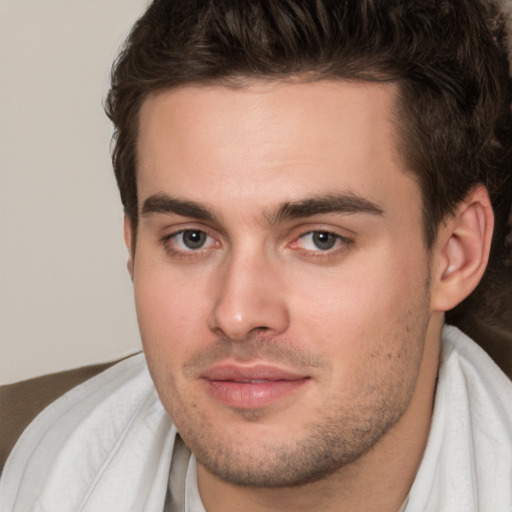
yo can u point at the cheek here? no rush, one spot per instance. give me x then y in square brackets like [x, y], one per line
[171, 317]
[365, 309]
[172, 328]
[366, 289]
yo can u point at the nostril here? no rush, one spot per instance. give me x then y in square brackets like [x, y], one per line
[260, 329]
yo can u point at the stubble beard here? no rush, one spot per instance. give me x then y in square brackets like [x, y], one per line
[330, 445]
[335, 437]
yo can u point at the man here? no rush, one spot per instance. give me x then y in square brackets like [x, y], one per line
[309, 188]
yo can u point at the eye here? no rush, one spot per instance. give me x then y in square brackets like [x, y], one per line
[320, 241]
[189, 240]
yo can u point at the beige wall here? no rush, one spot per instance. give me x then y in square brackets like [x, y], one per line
[65, 296]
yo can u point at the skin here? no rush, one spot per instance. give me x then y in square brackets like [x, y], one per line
[341, 293]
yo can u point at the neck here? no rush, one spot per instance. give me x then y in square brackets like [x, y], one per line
[379, 480]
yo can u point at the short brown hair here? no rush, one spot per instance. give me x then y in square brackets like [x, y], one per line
[445, 56]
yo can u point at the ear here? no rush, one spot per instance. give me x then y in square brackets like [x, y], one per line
[462, 250]
[128, 240]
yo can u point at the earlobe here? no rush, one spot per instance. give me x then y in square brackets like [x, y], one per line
[128, 240]
[462, 251]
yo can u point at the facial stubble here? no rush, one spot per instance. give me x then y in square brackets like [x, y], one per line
[339, 432]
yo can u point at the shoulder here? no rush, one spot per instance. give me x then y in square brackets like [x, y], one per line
[467, 461]
[487, 319]
[109, 431]
[22, 401]
[474, 362]
[464, 363]
[478, 397]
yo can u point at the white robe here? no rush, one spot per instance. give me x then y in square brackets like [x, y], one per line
[109, 446]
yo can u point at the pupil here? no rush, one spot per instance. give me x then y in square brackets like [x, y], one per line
[324, 240]
[194, 239]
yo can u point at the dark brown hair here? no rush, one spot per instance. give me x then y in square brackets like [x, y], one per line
[445, 56]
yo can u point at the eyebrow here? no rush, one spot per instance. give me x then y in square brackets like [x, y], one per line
[163, 203]
[346, 203]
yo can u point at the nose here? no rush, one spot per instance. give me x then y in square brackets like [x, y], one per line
[250, 296]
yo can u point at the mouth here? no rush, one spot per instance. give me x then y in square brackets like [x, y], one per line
[251, 387]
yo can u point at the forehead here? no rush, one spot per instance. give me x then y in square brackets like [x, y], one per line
[271, 142]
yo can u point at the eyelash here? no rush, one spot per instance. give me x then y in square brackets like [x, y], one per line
[341, 244]
[184, 253]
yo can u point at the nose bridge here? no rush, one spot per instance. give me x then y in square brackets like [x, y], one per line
[248, 296]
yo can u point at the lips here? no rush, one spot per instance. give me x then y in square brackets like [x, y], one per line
[251, 387]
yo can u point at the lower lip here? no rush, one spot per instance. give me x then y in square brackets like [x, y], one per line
[253, 395]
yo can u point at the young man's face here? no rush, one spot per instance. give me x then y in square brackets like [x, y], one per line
[281, 276]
